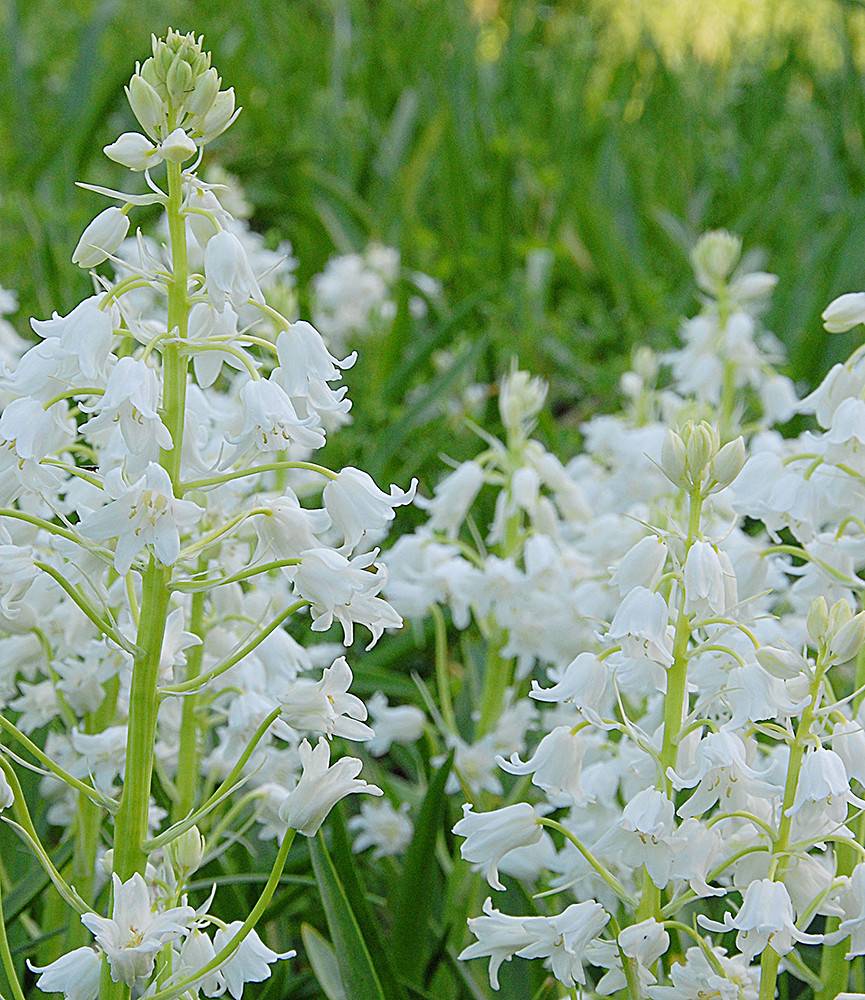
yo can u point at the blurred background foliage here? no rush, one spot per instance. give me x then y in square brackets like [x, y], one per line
[550, 163]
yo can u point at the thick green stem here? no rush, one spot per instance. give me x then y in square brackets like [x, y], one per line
[771, 960]
[187, 757]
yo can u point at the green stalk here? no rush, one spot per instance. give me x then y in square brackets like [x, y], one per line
[674, 703]
[771, 960]
[187, 755]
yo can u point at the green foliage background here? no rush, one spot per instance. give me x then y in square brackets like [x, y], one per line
[551, 176]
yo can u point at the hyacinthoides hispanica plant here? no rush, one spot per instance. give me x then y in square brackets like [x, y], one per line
[155, 553]
[680, 606]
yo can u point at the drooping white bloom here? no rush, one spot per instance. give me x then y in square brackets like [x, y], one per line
[135, 932]
[392, 724]
[641, 625]
[325, 706]
[381, 826]
[643, 943]
[197, 951]
[564, 939]
[695, 979]
[583, 683]
[343, 590]
[641, 566]
[358, 508]
[177, 146]
[644, 835]
[710, 582]
[453, 498]
[845, 312]
[766, 918]
[133, 150]
[145, 513]
[131, 401]
[489, 836]
[823, 793]
[101, 238]
[84, 337]
[250, 963]
[75, 975]
[320, 787]
[228, 273]
[7, 796]
[270, 422]
[555, 766]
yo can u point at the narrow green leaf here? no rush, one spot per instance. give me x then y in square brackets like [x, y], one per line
[414, 896]
[355, 965]
[322, 958]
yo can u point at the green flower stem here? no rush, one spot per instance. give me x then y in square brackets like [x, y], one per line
[187, 754]
[194, 586]
[130, 828]
[227, 477]
[675, 702]
[6, 958]
[230, 782]
[197, 683]
[595, 864]
[224, 954]
[771, 960]
[441, 664]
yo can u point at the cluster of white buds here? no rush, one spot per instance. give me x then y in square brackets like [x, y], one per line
[673, 671]
[156, 445]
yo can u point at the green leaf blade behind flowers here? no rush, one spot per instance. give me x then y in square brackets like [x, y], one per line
[355, 964]
[414, 893]
[319, 951]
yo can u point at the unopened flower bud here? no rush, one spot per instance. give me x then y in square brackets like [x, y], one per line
[187, 850]
[673, 459]
[844, 313]
[179, 81]
[714, 257]
[780, 662]
[839, 614]
[146, 104]
[848, 640]
[133, 150]
[817, 622]
[101, 238]
[700, 448]
[728, 462]
[204, 93]
[219, 116]
[645, 363]
[177, 147]
[520, 399]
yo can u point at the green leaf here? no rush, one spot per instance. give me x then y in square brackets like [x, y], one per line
[324, 962]
[414, 894]
[355, 965]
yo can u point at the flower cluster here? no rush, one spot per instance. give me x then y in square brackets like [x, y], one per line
[166, 537]
[669, 659]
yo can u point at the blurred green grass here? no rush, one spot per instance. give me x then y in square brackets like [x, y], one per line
[549, 175]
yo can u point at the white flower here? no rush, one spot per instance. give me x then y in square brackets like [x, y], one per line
[765, 919]
[643, 943]
[177, 147]
[250, 963]
[28, 434]
[75, 975]
[392, 724]
[135, 932]
[710, 582]
[381, 826]
[143, 514]
[342, 590]
[270, 422]
[641, 566]
[197, 951]
[7, 796]
[453, 498]
[490, 835]
[101, 238]
[131, 401]
[290, 528]
[643, 835]
[583, 683]
[358, 508]
[823, 793]
[563, 939]
[845, 312]
[228, 272]
[641, 625]
[103, 753]
[133, 150]
[325, 706]
[521, 397]
[84, 336]
[696, 979]
[555, 766]
[320, 787]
